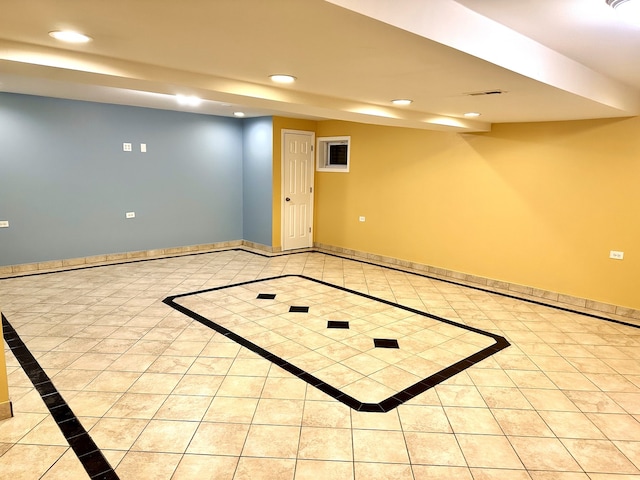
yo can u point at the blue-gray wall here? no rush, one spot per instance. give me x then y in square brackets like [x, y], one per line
[65, 182]
[257, 180]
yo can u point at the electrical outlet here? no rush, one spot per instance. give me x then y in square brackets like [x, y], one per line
[130, 214]
[126, 147]
[362, 219]
[616, 255]
[4, 223]
[143, 147]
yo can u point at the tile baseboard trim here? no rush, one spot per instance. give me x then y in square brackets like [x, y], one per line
[498, 286]
[522, 291]
[6, 410]
[113, 258]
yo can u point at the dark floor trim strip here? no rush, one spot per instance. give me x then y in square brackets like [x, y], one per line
[88, 453]
[451, 282]
[384, 406]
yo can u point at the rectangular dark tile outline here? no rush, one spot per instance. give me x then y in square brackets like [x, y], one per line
[90, 456]
[384, 406]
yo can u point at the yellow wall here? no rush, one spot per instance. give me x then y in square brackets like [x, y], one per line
[4, 385]
[280, 123]
[537, 204]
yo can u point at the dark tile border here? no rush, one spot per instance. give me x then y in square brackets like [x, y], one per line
[383, 406]
[90, 456]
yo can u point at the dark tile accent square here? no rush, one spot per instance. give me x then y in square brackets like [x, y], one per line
[295, 309]
[385, 343]
[266, 296]
[338, 324]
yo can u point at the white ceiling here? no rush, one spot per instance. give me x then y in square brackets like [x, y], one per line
[555, 59]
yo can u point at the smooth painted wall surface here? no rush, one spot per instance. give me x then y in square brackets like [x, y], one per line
[279, 124]
[4, 383]
[257, 168]
[66, 183]
[537, 204]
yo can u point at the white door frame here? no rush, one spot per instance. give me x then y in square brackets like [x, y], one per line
[282, 170]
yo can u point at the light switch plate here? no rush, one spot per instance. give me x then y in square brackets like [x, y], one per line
[4, 223]
[130, 214]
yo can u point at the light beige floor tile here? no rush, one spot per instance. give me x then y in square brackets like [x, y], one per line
[169, 436]
[274, 411]
[424, 418]
[272, 441]
[326, 414]
[210, 366]
[434, 449]
[241, 386]
[499, 474]
[117, 433]
[130, 363]
[171, 364]
[544, 454]
[265, 469]
[379, 446]
[599, 456]
[543, 399]
[488, 451]
[629, 401]
[231, 410]
[560, 476]
[136, 405]
[376, 421]
[284, 388]
[571, 425]
[325, 444]
[183, 407]
[314, 469]
[384, 471]
[427, 472]
[150, 466]
[472, 420]
[460, 396]
[156, 383]
[522, 423]
[92, 404]
[198, 385]
[205, 467]
[68, 467]
[617, 426]
[46, 432]
[530, 380]
[596, 402]
[490, 378]
[219, 439]
[110, 381]
[13, 429]
[26, 462]
[631, 450]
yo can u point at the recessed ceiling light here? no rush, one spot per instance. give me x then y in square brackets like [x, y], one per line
[629, 10]
[188, 100]
[69, 36]
[402, 101]
[239, 114]
[279, 78]
[472, 114]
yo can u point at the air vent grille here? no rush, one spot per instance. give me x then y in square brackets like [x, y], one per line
[486, 92]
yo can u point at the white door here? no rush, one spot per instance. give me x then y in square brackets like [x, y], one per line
[297, 189]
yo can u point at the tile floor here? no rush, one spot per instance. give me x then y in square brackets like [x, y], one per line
[165, 397]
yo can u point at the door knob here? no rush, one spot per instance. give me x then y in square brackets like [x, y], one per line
[288, 199]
